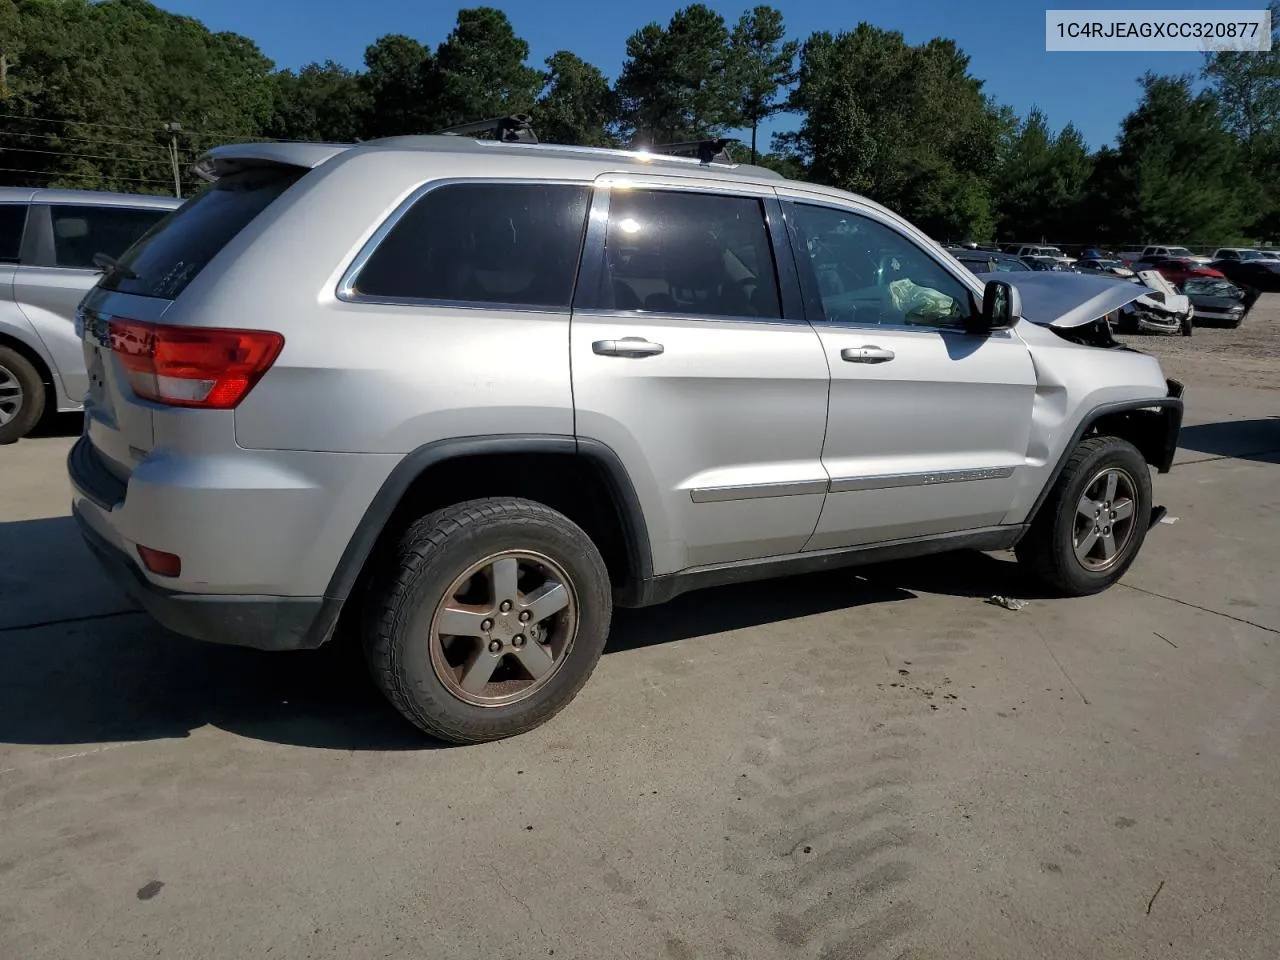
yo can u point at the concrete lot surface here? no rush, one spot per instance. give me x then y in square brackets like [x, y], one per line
[871, 763]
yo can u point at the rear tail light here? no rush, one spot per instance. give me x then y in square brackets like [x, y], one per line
[206, 367]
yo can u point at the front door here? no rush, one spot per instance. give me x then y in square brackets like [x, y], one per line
[928, 425]
[697, 368]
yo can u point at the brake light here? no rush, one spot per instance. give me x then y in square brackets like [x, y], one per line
[210, 368]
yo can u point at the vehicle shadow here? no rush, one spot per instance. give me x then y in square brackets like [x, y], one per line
[60, 425]
[1240, 439]
[72, 673]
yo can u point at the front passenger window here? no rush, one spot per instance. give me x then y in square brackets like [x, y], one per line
[867, 272]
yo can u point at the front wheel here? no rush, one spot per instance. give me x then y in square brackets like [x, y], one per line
[21, 396]
[1092, 526]
[487, 619]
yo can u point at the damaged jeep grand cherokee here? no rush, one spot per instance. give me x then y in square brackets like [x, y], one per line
[466, 395]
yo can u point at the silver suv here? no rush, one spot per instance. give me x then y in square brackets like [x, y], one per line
[48, 241]
[464, 396]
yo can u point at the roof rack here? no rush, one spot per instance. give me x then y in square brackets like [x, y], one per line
[707, 151]
[516, 128]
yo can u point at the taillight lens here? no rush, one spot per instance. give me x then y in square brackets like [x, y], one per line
[207, 367]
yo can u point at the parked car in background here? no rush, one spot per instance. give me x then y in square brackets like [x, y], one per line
[1178, 270]
[987, 261]
[1237, 253]
[1113, 268]
[1220, 301]
[1269, 254]
[1045, 262]
[515, 332]
[1162, 310]
[1260, 273]
[48, 242]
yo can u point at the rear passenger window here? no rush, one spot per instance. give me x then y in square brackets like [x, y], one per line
[81, 231]
[12, 218]
[691, 253]
[485, 243]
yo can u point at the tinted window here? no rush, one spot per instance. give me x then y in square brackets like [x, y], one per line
[694, 253]
[512, 243]
[169, 257]
[867, 272]
[12, 218]
[81, 231]
[1010, 266]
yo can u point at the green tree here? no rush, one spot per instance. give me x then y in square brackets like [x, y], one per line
[398, 87]
[675, 83]
[96, 82]
[1039, 183]
[322, 101]
[481, 72]
[10, 44]
[1179, 176]
[577, 106]
[1247, 88]
[906, 125]
[761, 63]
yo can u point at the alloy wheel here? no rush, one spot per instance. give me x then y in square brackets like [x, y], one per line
[503, 628]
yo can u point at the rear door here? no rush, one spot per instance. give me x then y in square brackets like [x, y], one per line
[50, 287]
[693, 366]
[928, 426]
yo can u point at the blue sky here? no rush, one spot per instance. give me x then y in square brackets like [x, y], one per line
[1004, 38]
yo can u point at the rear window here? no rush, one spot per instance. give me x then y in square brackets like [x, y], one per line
[491, 243]
[170, 256]
[79, 232]
[12, 218]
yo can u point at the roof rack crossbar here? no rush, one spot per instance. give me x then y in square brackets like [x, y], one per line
[516, 128]
[707, 151]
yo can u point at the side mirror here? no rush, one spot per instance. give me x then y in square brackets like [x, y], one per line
[1001, 306]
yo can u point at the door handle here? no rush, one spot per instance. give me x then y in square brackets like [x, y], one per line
[627, 347]
[867, 354]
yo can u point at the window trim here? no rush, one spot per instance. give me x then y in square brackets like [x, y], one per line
[817, 314]
[346, 289]
[594, 262]
[24, 234]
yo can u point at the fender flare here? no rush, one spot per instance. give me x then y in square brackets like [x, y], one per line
[376, 516]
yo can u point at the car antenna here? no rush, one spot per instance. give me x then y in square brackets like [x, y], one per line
[516, 128]
[707, 151]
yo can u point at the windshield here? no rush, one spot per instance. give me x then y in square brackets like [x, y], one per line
[1210, 287]
[1180, 252]
[1252, 255]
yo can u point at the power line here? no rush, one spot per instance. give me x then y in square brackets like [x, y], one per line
[82, 156]
[56, 173]
[60, 136]
[112, 126]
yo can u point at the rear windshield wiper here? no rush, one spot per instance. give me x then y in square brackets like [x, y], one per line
[111, 265]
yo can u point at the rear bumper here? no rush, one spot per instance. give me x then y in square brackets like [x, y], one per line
[267, 623]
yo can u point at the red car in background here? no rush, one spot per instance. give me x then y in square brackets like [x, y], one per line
[1178, 270]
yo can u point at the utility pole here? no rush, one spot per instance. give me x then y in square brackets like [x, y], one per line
[173, 129]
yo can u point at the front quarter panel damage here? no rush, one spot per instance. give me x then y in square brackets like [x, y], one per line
[1074, 383]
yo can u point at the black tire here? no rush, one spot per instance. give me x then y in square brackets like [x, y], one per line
[1128, 323]
[15, 368]
[411, 584]
[1048, 548]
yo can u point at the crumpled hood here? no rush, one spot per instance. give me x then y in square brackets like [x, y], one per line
[1068, 299]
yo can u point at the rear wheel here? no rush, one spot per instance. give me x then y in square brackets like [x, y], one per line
[21, 396]
[1094, 522]
[489, 617]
